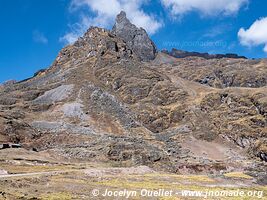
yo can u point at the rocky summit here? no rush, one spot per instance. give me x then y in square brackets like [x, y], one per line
[136, 38]
[111, 98]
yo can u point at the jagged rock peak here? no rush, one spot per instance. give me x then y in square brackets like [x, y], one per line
[136, 38]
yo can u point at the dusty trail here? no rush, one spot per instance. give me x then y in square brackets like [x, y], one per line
[32, 174]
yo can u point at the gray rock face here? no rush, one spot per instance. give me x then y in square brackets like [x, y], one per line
[136, 38]
[58, 94]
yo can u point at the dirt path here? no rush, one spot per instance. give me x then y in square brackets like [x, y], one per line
[31, 174]
[88, 171]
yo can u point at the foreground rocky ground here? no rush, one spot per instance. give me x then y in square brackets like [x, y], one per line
[103, 104]
[33, 175]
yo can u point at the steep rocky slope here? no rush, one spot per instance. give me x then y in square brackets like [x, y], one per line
[106, 99]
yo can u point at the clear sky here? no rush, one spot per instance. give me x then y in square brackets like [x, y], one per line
[33, 31]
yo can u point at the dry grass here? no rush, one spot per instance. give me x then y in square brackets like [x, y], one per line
[77, 185]
[237, 175]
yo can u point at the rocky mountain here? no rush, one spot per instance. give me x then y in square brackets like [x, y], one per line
[111, 98]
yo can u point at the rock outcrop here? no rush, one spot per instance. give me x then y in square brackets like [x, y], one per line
[136, 38]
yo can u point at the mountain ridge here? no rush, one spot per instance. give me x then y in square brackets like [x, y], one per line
[183, 54]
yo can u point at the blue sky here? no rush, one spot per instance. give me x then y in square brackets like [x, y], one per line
[33, 31]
